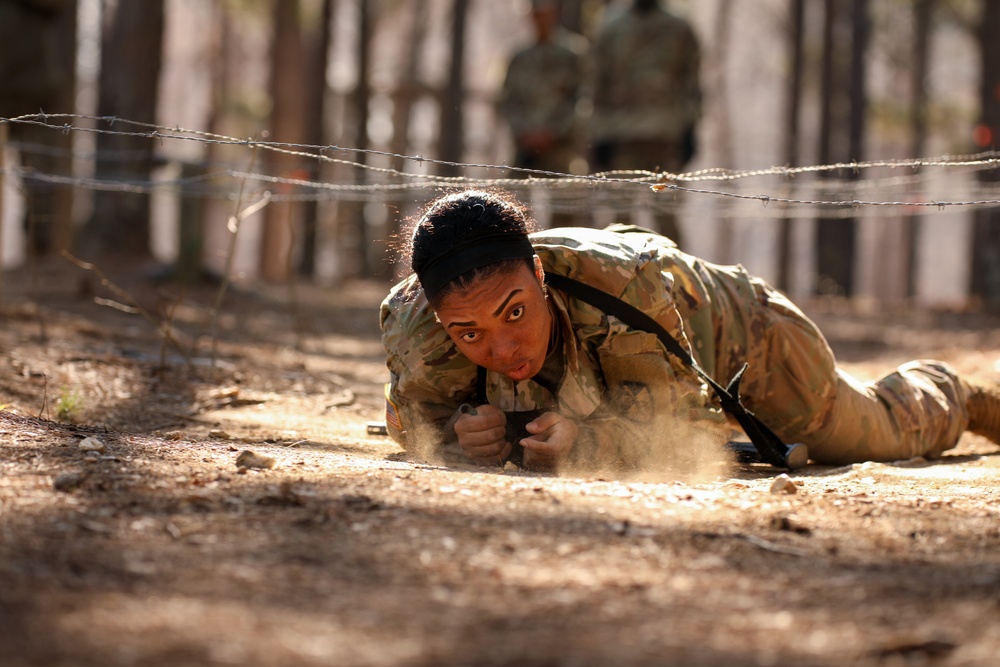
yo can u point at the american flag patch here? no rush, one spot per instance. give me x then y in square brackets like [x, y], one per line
[391, 413]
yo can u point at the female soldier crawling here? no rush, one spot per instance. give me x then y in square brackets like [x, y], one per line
[475, 340]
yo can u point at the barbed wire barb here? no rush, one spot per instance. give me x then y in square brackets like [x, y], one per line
[390, 179]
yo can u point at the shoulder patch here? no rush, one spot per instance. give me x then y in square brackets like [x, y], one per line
[391, 412]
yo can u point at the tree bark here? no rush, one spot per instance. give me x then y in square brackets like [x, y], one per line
[985, 281]
[793, 102]
[62, 228]
[452, 134]
[354, 212]
[315, 108]
[409, 89]
[723, 127]
[409, 86]
[131, 58]
[923, 11]
[841, 126]
[281, 219]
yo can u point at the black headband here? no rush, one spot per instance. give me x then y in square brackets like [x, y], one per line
[472, 254]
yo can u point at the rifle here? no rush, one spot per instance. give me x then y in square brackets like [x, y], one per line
[769, 447]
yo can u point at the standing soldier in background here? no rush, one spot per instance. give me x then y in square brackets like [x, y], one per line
[30, 80]
[540, 95]
[647, 96]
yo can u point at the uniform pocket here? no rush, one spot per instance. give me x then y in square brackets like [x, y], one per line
[634, 371]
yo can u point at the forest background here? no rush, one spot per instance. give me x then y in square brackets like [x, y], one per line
[374, 92]
[227, 176]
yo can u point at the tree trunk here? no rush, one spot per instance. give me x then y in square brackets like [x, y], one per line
[354, 212]
[793, 102]
[723, 127]
[923, 11]
[409, 89]
[315, 109]
[840, 125]
[281, 219]
[985, 282]
[62, 228]
[191, 255]
[409, 86]
[452, 134]
[131, 56]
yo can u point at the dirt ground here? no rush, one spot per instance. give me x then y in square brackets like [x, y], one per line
[129, 536]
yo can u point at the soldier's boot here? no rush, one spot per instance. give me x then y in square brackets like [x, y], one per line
[983, 401]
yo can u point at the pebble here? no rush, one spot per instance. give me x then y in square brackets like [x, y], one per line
[91, 444]
[783, 484]
[248, 459]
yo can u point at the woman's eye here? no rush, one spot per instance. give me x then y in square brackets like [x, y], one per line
[470, 337]
[516, 314]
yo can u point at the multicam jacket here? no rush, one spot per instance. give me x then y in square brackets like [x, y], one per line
[543, 85]
[621, 385]
[635, 403]
[647, 78]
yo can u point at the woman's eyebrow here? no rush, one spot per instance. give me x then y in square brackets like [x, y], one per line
[496, 313]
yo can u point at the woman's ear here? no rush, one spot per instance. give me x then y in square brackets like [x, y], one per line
[539, 271]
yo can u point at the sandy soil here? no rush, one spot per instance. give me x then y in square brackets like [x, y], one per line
[129, 536]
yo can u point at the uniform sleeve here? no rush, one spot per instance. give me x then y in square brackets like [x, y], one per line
[655, 410]
[428, 378]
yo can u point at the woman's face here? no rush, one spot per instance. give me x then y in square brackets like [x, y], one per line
[501, 322]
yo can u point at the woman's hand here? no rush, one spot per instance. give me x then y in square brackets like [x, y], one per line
[481, 435]
[552, 437]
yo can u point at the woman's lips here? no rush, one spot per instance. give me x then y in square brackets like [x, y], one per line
[520, 372]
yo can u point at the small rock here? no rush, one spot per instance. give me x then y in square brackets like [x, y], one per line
[248, 459]
[91, 444]
[68, 481]
[783, 484]
[620, 527]
[791, 524]
[219, 433]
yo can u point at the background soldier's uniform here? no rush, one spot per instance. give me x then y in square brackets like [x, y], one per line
[540, 94]
[631, 397]
[647, 97]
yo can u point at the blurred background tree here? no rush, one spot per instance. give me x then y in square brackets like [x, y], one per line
[131, 58]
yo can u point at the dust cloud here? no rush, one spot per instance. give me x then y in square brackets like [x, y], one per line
[666, 449]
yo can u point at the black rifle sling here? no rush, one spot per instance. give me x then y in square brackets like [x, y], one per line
[768, 444]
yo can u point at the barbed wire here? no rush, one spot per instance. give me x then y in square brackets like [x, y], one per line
[149, 186]
[382, 183]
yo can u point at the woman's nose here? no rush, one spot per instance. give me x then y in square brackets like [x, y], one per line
[505, 350]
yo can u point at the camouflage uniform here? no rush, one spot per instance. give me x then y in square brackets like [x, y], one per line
[647, 96]
[540, 95]
[631, 397]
